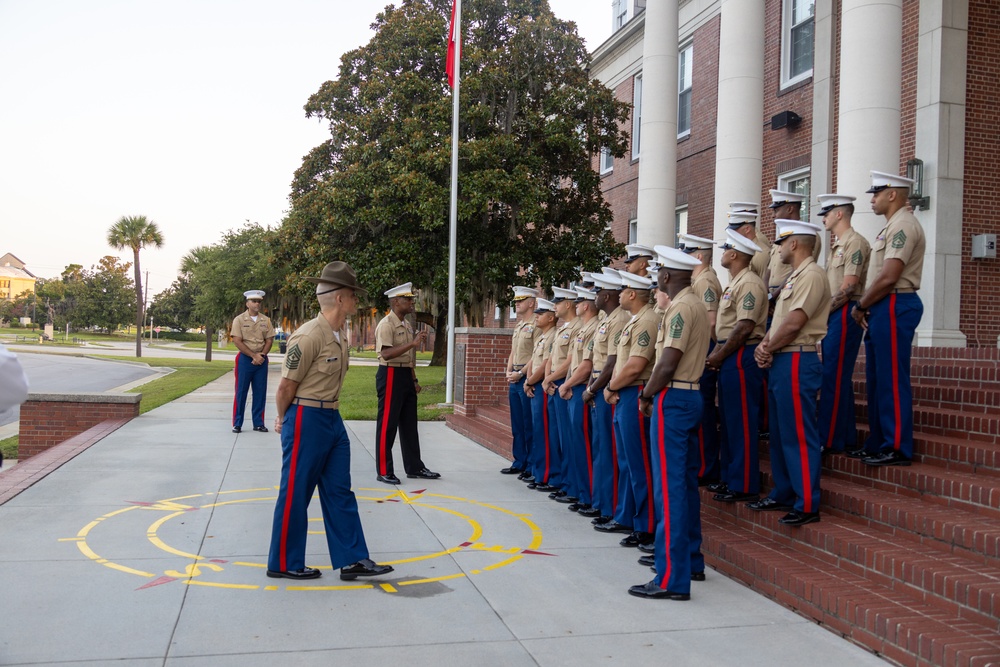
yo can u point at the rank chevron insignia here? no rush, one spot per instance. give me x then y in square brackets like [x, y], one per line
[709, 295]
[749, 301]
[643, 339]
[676, 326]
[899, 239]
[293, 357]
[856, 258]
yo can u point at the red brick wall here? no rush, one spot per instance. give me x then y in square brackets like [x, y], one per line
[621, 186]
[483, 379]
[48, 423]
[979, 316]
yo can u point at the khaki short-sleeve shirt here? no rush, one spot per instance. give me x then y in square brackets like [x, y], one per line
[849, 256]
[390, 332]
[638, 339]
[902, 238]
[317, 360]
[563, 338]
[744, 299]
[254, 334]
[606, 337]
[778, 270]
[582, 343]
[522, 342]
[685, 327]
[758, 264]
[708, 288]
[808, 290]
[543, 348]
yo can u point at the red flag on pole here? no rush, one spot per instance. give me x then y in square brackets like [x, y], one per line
[450, 66]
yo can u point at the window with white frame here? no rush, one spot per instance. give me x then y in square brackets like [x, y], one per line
[619, 10]
[607, 161]
[798, 182]
[684, 72]
[636, 114]
[798, 23]
[680, 223]
[633, 230]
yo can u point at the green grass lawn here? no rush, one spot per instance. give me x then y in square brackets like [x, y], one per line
[8, 446]
[188, 375]
[359, 401]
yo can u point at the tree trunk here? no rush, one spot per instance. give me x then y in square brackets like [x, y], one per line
[440, 357]
[138, 306]
[209, 335]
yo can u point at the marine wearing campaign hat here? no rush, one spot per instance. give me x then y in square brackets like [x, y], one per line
[891, 310]
[789, 350]
[847, 272]
[397, 387]
[740, 326]
[521, 345]
[673, 399]
[253, 335]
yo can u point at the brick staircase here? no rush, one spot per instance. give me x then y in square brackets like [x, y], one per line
[906, 560]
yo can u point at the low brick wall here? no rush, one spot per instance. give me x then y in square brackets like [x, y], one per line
[481, 362]
[49, 419]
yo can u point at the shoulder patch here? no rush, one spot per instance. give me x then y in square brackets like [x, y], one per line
[293, 358]
[676, 326]
[710, 295]
[856, 258]
[749, 301]
[899, 239]
[618, 338]
[643, 339]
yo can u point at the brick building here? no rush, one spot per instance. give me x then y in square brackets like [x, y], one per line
[809, 96]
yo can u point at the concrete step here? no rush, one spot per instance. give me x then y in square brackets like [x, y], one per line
[892, 621]
[955, 452]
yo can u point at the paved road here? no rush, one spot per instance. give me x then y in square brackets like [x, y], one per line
[63, 374]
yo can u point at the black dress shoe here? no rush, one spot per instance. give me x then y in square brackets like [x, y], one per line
[886, 459]
[707, 481]
[651, 591]
[260, 429]
[589, 512]
[601, 520]
[612, 526]
[527, 477]
[532, 485]
[304, 573]
[857, 453]
[557, 494]
[646, 548]
[423, 473]
[718, 487]
[768, 505]
[697, 576]
[735, 497]
[797, 518]
[649, 560]
[388, 479]
[237, 429]
[573, 507]
[763, 435]
[541, 486]
[365, 567]
[566, 499]
[511, 471]
[636, 538]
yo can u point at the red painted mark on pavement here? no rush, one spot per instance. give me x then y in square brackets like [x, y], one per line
[535, 553]
[157, 582]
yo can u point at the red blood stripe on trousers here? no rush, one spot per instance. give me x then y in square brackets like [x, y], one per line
[614, 464]
[800, 434]
[647, 464]
[545, 422]
[897, 436]
[236, 394]
[840, 371]
[586, 444]
[383, 445]
[746, 418]
[664, 489]
[290, 490]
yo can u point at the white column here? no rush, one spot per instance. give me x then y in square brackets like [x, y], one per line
[739, 150]
[871, 44]
[821, 168]
[940, 142]
[658, 162]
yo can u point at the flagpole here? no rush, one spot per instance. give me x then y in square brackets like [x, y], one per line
[453, 228]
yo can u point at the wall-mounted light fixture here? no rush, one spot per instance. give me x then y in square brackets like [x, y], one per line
[915, 171]
[788, 119]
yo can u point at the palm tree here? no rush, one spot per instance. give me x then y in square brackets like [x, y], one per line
[135, 232]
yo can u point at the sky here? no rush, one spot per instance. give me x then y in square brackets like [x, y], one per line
[188, 112]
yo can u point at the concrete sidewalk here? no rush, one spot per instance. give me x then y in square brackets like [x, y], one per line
[149, 548]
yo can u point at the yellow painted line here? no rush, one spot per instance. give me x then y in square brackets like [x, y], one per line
[388, 588]
[128, 570]
[503, 563]
[431, 580]
[243, 500]
[212, 584]
[171, 500]
[330, 588]
[245, 564]
[271, 588]
[72, 539]
[265, 488]
[86, 529]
